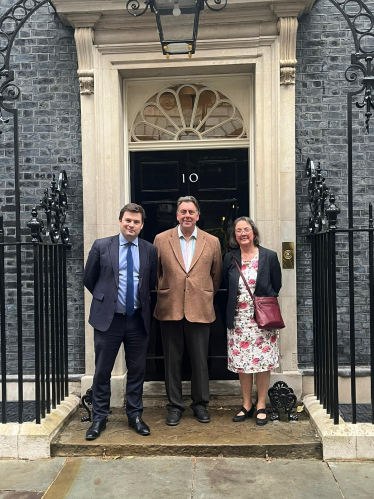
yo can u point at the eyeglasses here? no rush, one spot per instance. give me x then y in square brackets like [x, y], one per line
[184, 212]
[247, 230]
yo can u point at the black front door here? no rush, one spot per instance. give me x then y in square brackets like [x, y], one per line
[219, 181]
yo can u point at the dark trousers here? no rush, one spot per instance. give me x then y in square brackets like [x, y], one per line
[175, 334]
[131, 332]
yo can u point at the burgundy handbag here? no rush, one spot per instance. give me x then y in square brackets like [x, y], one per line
[266, 308]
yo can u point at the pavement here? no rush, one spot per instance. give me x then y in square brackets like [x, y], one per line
[111, 477]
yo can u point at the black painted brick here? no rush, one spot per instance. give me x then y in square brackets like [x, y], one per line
[324, 45]
[45, 64]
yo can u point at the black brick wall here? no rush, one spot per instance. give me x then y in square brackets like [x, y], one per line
[45, 64]
[44, 59]
[324, 46]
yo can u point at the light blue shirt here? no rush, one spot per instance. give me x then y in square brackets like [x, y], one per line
[187, 247]
[123, 249]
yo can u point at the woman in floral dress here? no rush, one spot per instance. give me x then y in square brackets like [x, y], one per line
[250, 349]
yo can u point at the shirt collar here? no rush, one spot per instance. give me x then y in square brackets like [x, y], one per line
[194, 233]
[123, 241]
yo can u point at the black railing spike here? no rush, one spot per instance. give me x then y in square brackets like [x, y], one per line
[36, 226]
[55, 205]
[318, 193]
[332, 212]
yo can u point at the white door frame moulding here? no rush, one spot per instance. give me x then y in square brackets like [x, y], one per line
[106, 179]
[171, 145]
[209, 81]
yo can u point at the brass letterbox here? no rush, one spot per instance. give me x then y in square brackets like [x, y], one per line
[288, 255]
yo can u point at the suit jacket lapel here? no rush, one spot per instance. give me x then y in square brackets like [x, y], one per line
[261, 263]
[114, 256]
[142, 259]
[176, 247]
[238, 258]
[200, 243]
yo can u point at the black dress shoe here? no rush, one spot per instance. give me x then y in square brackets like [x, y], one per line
[202, 415]
[246, 414]
[261, 421]
[174, 418]
[95, 429]
[139, 426]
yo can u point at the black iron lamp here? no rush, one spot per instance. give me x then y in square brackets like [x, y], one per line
[177, 21]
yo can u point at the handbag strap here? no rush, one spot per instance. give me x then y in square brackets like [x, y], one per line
[242, 276]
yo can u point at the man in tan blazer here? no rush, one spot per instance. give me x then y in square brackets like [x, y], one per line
[189, 275]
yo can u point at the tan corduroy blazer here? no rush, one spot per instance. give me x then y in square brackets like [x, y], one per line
[181, 294]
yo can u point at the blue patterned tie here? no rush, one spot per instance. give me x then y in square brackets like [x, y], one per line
[130, 282]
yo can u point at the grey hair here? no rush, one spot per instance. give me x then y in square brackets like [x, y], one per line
[233, 243]
[188, 199]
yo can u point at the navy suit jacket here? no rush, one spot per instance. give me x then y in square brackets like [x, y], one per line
[101, 278]
[268, 283]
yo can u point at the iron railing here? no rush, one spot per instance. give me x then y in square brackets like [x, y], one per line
[49, 311]
[33, 298]
[328, 324]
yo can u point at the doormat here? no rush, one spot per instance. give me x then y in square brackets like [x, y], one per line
[29, 411]
[363, 413]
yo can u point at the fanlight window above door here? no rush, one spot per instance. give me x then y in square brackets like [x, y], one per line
[188, 112]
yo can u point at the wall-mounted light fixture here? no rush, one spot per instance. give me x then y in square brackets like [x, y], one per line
[177, 21]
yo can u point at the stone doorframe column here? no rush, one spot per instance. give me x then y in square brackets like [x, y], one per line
[244, 36]
[106, 169]
[84, 38]
[104, 66]
[287, 27]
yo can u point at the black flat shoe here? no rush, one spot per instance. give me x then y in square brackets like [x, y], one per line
[139, 426]
[174, 418]
[95, 430]
[246, 414]
[259, 421]
[202, 415]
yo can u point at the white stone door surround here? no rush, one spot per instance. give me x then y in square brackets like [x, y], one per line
[266, 55]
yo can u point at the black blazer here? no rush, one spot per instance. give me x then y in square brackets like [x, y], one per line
[269, 278]
[101, 278]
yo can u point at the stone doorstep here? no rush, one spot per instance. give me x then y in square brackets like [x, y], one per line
[342, 442]
[221, 437]
[32, 441]
[222, 388]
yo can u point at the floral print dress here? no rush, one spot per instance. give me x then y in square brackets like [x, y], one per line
[250, 349]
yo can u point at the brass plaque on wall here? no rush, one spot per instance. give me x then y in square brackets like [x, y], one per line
[288, 256]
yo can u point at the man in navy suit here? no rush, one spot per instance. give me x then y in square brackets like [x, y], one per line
[120, 273]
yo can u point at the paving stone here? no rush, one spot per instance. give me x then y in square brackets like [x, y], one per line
[356, 479]
[254, 478]
[137, 478]
[21, 495]
[21, 476]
